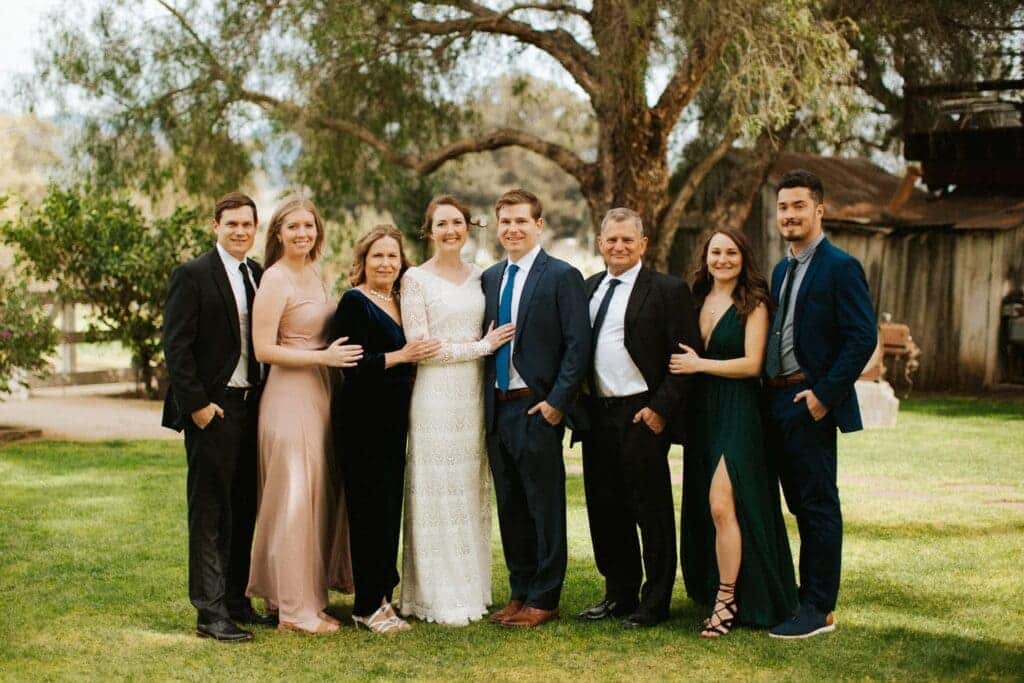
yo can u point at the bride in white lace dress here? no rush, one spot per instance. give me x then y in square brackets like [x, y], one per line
[446, 551]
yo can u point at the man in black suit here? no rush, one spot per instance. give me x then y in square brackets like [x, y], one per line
[530, 387]
[635, 408]
[214, 397]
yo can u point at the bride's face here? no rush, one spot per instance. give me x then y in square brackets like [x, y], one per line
[448, 228]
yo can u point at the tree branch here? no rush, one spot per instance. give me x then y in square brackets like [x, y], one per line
[561, 7]
[558, 43]
[672, 217]
[429, 162]
[216, 66]
[687, 79]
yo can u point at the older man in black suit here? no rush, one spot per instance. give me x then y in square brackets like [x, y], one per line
[635, 409]
[531, 386]
[214, 397]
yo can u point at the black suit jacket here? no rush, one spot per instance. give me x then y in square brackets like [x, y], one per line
[552, 341]
[201, 337]
[660, 314]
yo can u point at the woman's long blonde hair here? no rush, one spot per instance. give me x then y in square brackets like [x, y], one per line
[274, 249]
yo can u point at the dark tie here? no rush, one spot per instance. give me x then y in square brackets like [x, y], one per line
[503, 356]
[602, 311]
[773, 355]
[252, 372]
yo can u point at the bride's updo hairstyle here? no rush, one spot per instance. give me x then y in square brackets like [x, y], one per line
[442, 200]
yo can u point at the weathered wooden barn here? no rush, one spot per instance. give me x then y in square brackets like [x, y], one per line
[949, 262]
[943, 266]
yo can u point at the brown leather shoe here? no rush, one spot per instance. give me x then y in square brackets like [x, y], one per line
[509, 610]
[530, 617]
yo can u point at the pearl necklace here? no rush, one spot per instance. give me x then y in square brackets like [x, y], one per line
[386, 298]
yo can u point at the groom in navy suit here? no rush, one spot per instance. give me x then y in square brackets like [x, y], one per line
[822, 335]
[530, 388]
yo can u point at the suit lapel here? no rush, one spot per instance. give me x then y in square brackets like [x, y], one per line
[777, 278]
[220, 278]
[536, 270]
[595, 282]
[805, 285]
[493, 291]
[641, 288]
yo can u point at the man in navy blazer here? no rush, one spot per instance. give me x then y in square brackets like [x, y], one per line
[822, 335]
[530, 387]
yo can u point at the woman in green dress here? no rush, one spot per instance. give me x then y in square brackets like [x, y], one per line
[735, 552]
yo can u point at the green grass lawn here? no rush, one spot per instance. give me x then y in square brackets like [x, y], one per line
[93, 577]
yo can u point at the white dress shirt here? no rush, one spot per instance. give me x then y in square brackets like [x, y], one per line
[240, 377]
[614, 370]
[515, 381]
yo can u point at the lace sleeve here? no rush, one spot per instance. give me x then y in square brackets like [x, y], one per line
[416, 325]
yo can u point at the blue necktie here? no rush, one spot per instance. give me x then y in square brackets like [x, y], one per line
[773, 355]
[503, 356]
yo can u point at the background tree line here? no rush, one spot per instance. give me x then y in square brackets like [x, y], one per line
[382, 104]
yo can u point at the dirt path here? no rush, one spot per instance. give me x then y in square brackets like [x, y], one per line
[83, 415]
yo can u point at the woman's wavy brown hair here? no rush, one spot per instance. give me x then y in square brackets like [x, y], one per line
[274, 249]
[751, 287]
[357, 273]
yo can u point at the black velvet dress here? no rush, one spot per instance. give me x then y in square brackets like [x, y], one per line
[370, 416]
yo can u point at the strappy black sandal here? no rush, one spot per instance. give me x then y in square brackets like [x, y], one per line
[725, 610]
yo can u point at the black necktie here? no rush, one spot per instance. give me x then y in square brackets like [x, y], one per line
[773, 355]
[252, 372]
[602, 311]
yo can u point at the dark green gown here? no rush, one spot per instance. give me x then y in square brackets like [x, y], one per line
[729, 425]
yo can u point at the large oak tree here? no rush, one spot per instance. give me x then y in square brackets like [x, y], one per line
[361, 96]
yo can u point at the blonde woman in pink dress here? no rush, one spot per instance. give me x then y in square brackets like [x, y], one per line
[298, 511]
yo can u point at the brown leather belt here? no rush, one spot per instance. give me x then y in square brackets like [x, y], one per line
[512, 394]
[786, 380]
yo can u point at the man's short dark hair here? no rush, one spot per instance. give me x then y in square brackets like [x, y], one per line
[798, 177]
[234, 200]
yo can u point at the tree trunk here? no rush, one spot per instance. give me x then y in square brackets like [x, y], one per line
[733, 206]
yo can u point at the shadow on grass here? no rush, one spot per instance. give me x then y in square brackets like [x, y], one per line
[965, 407]
[936, 531]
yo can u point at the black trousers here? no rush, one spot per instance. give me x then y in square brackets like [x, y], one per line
[628, 485]
[525, 453]
[373, 468]
[221, 490]
[805, 451]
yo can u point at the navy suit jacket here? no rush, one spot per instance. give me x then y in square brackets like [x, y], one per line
[834, 329]
[552, 341]
[201, 338]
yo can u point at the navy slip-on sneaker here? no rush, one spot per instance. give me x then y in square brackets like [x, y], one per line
[807, 623]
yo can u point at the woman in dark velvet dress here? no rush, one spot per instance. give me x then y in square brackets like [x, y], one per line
[735, 552]
[370, 415]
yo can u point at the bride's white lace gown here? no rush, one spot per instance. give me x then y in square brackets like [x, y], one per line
[446, 551]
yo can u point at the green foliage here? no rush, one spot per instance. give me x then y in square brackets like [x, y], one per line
[27, 334]
[99, 249]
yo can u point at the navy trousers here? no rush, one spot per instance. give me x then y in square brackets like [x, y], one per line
[805, 455]
[525, 454]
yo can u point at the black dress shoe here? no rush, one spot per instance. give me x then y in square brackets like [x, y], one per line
[606, 608]
[223, 630]
[251, 616]
[642, 620]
